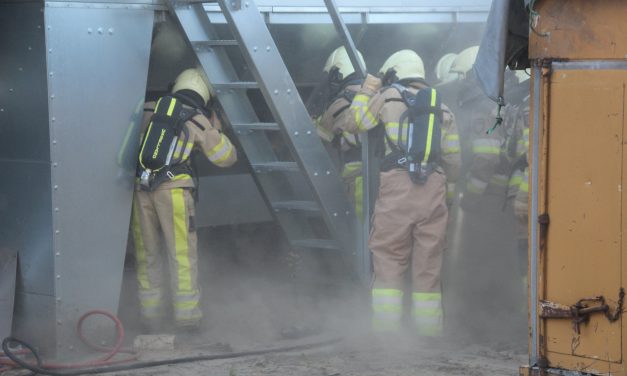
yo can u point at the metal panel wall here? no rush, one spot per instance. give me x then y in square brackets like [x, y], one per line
[25, 217]
[97, 70]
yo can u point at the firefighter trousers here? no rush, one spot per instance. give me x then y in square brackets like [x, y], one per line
[408, 228]
[166, 214]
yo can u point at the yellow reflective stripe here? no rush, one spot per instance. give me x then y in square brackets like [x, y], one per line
[157, 105]
[430, 132]
[451, 144]
[524, 186]
[359, 194]
[186, 305]
[177, 150]
[150, 303]
[486, 150]
[486, 146]
[181, 243]
[188, 149]
[516, 179]
[171, 108]
[221, 152]
[426, 296]
[499, 180]
[140, 250]
[351, 168]
[181, 177]
[387, 292]
[363, 118]
[429, 312]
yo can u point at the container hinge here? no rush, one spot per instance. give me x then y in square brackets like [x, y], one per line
[580, 312]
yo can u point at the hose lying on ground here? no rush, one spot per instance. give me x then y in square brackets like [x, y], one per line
[127, 367]
[106, 363]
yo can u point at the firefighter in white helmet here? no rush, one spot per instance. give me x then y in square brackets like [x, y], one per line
[443, 69]
[342, 84]
[419, 151]
[485, 144]
[163, 220]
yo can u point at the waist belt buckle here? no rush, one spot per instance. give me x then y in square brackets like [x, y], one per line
[170, 175]
[402, 161]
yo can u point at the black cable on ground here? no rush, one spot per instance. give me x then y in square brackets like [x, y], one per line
[127, 367]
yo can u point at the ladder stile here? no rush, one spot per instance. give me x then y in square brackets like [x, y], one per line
[306, 185]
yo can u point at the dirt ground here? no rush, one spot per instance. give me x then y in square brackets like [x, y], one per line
[255, 300]
[352, 357]
[258, 294]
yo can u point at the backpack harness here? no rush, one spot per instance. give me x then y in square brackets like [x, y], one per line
[418, 147]
[157, 163]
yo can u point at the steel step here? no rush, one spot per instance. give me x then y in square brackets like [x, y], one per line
[310, 206]
[255, 126]
[240, 85]
[266, 167]
[213, 43]
[316, 244]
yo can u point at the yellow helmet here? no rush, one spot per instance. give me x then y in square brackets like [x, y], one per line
[194, 79]
[465, 60]
[406, 63]
[443, 68]
[339, 58]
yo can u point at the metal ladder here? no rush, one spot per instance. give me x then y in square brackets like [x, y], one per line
[299, 180]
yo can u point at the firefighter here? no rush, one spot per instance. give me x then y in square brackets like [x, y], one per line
[163, 207]
[410, 215]
[343, 84]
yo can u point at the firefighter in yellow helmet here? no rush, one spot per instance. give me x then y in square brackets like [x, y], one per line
[343, 83]
[419, 151]
[163, 206]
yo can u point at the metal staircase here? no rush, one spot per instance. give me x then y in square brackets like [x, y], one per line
[304, 190]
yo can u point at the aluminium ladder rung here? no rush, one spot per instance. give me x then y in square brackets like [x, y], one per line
[255, 126]
[214, 43]
[310, 206]
[275, 167]
[238, 85]
[316, 243]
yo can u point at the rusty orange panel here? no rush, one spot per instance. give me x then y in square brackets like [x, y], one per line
[580, 29]
[584, 246]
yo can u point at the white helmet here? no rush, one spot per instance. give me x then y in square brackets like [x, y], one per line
[339, 58]
[443, 68]
[464, 61]
[194, 79]
[521, 75]
[406, 63]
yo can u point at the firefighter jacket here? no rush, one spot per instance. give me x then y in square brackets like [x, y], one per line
[210, 141]
[373, 106]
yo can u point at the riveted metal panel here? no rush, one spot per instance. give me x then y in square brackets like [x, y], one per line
[25, 208]
[97, 69]
[8, 269]
[584, 196]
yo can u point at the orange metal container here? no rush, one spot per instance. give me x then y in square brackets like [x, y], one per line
[577, 231]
